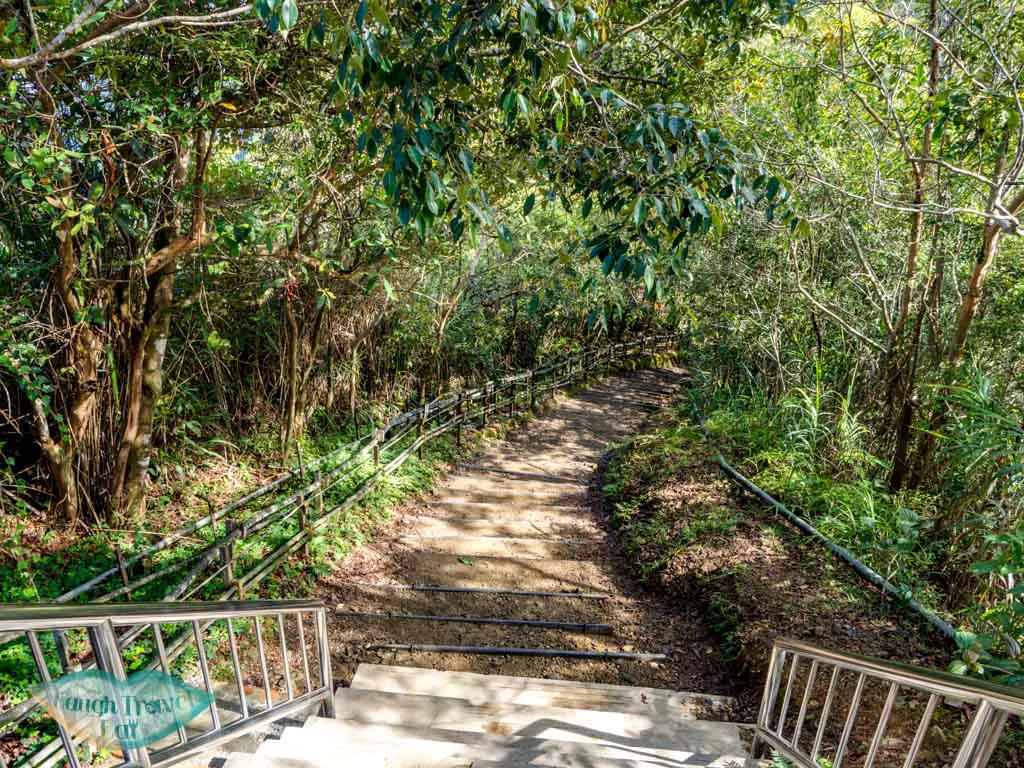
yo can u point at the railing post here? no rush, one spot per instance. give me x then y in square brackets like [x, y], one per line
[67, 742]
[228, 555]
[532, 391]
[990, 740]
[319, 493]
[378, 435]
[304, 521]
[121, 569]
[421, 427]
[302, 463]
[771, 684]
[459, 415]
[512, 399]
[108, 658]
[978, 732]
[324, 649]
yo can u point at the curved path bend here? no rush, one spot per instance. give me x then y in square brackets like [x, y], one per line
[524, 516]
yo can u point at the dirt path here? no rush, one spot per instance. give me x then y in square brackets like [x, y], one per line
[523, 517]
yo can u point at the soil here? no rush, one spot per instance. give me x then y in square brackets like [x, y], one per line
[759, 579]
[524, 515]
[527, 515]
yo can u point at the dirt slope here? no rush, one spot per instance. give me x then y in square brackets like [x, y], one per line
[521, 517]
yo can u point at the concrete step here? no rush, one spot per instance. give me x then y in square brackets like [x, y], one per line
[565, 466]
[521, 469]
[586, 760]
[552, 575]
[491, 488]
[476, 545]
[272, 755]
[506, 510]
[589, 627]
[375, 631]
[569, 525]
[316, 750]
[371, 597]
[426, 745]
[481, 690]
[700, 737]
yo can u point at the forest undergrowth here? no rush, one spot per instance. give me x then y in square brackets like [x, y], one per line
[693, 536]
[808, 451]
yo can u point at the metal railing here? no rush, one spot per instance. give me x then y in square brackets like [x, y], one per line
[315, 494]
[218, 647]
[307, 498]
[826, 708]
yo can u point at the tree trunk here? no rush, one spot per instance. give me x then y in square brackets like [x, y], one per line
[903, 351]
[148, 343]
[975, 288]
[290, 377]
[968, 309]
[353, 387]
[60, 461]
[157, 332]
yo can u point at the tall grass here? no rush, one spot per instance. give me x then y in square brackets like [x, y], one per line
[811, 451]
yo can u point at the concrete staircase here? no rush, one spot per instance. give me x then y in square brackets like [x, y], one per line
[404, 717]
[506, 568]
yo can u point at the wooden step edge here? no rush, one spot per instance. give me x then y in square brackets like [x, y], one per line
[593, 628]
[500, 650]
[485, 590]
[538, 476]
[498, 538]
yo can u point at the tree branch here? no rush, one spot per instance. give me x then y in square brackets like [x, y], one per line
[50, 52]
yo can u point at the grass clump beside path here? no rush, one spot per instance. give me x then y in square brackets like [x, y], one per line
[687, 531]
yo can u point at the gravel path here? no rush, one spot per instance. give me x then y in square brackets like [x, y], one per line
[523, 516]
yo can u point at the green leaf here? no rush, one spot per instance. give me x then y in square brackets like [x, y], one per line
[528, 204]
[716, 220]
[289, 13]
[640, 212]
[587, 205]
[388, 290]
[567, 19]
[466, 160]
[524, 105]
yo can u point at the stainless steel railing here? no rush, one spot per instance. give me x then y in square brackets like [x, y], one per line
[219, 647]
[825, 708]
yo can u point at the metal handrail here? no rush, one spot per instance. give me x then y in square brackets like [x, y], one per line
[104, 651]
[463, 408]
[785, 708]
